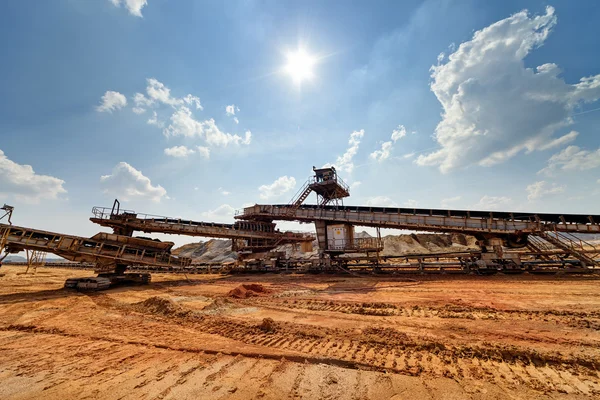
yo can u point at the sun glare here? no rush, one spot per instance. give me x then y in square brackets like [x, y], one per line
[300, 65]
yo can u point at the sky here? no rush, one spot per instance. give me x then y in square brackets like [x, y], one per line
[195, 109]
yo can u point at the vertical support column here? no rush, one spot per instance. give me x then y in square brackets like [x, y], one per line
[321, 228]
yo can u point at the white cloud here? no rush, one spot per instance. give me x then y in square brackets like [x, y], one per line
[222, 210]
[447, 203]
[381, 201]
[410, 203]
[356, 184]
[127, 183]
[540, 189]
[280, 186]
[345, 161]
[140, 102]
[561, 141]
[409, 155]
[247, 138]
[193, 100]
[223, 213]
[179, 151]
[157, 91]
[133, 6]
[387, 147]
[494, 107]
[223, 192]
[384, 153]
[153, 120]
[398, 133]
[184, 152]
[183, 123]
[492, 203]
[572, 158]
[230, 110]
[203, 151]
[215, 137]
[22, 182]
[112, 101]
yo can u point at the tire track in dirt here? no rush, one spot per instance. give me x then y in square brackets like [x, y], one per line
[387, 349]
[575, 319]
[381, 349]
[403, 356]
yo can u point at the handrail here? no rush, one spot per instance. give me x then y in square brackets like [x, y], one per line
[104, 213]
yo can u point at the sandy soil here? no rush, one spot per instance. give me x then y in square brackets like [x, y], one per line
[311, 337]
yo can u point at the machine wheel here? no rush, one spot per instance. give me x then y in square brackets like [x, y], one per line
[88, 284]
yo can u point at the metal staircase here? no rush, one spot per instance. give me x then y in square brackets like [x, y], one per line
[299, 198]
[538, 246]
[326, 184]
[571, 244]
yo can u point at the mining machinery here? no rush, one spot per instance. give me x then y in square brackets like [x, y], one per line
[251, 239]
[496, 232]
[503, 237]
[111, 254]
[508, 241]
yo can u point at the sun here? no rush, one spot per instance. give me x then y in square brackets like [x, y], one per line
[300, 65]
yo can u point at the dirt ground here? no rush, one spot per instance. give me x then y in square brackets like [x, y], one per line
[300, 336]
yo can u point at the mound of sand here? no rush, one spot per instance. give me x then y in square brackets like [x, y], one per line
[424, 243]
[267, 325]
[160, 305]
[219, 251]
[218, 304]
[213, 250]
[248, 290]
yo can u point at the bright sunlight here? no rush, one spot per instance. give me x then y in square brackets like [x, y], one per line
[300, 65]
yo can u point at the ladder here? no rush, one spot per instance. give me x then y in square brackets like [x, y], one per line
[298, 199]
[574, 247]
[537, 245]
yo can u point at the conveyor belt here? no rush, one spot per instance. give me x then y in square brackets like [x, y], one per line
[129, 222]
[504, 215]
[103, 248]
[471, 222]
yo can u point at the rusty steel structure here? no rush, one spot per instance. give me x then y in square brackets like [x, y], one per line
[493, 230]
[111, 254]
[247, 236]
[508, 241]
[548, 236]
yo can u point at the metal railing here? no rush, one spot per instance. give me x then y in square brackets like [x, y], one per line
[336, 179]
[106, 212]
[356, 244]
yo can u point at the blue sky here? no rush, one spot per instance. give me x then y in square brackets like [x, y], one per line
[501, 121]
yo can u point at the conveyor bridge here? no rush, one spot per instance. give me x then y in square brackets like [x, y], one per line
[469, 222]
[255, 234]
[105, 250]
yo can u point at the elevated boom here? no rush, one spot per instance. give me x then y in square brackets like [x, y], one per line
[470, 222]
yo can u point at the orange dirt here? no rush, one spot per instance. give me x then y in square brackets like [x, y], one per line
[248, 290]
[311, 337]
